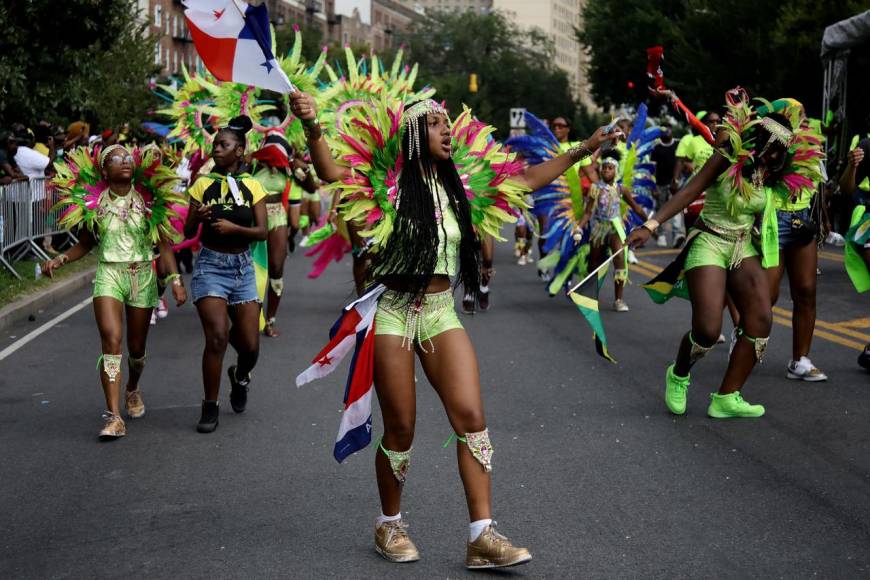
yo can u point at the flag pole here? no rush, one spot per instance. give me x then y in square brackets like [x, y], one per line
[595, 271]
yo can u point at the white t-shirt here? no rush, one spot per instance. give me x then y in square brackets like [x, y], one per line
[31, 163]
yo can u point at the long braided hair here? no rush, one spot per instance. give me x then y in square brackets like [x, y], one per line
[411, 252]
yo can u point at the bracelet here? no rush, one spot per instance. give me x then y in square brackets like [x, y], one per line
[651, 224]
[63, 259]
[309, 126]
[175, 278]
[579, 152]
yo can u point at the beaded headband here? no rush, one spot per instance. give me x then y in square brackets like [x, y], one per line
[610, 161]
[777, 132]
[105, 152]
[409, 122]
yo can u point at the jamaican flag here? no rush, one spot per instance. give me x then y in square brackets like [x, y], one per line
[260, 255]
[672, 280]
[588, 307]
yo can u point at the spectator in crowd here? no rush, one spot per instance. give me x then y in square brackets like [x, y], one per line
[664, 156]
[9, 171]
[77, 134]
[31, 162]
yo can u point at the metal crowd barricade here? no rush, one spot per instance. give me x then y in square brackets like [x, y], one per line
[26, 219]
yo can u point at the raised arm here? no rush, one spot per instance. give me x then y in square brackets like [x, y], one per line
[702, 180]
[537, 176]
[849, 181]
[632, 203]
[327, 169]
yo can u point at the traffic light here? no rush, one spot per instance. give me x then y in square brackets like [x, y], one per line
[472, 83]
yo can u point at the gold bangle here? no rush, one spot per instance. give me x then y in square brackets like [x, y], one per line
[651, 224]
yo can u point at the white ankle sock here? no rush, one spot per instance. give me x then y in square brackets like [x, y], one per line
[382, 519]
[484, 288]
[476, 528]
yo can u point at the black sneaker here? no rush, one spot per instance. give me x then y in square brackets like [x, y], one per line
[483, 300]
[239, 391]
[209, 420]
[864, 358]
[468, 304]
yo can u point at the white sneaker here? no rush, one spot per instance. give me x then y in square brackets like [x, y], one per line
[835, 239]
[153, 318]
[162, 310]
[662, 242]
[523, 260]
[620, 306]
[632, 259]
[804, 370]
[721, 339]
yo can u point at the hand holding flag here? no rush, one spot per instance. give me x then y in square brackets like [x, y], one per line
[234, 41]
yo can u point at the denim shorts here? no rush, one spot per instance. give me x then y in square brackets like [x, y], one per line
[787, 236]
[227, 276]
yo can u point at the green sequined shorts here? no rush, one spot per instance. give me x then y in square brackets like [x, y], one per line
[711, 250]
[131, 283]
[276, 216]
[417, 322]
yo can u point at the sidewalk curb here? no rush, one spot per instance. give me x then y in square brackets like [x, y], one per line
[21, 309]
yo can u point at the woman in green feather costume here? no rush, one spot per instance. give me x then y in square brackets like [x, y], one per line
[119, 202]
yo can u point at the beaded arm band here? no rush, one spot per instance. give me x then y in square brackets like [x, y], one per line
[651, 224]
[579, 152]
[175, 278]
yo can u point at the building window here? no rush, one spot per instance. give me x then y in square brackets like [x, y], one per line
[158, 15]
[157, 53]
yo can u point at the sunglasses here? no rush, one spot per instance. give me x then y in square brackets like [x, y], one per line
[115, 159]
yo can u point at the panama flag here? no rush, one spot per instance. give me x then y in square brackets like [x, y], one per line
[234, 41]
[354, 330]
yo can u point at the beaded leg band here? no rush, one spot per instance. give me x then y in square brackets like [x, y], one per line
[698, 351]
[479, 445]
[111, 365]
[137, 365]
[277, 286]
[760, 344]
[400, 461]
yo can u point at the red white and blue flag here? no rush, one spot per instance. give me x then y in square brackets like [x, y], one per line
[354, 330]
[234, 41]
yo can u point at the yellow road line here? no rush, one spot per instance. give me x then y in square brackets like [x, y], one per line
[856, 323]
[649, 266]
[832, 257]
[643, 270]
[785, 319]
[823, 334]
[828, 325]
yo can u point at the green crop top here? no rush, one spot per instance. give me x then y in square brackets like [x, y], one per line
[122, 228]
[716, 211]
[273, 182]
[448, 246]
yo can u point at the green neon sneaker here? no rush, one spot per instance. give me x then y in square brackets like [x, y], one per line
[675, 391]
[732, 405]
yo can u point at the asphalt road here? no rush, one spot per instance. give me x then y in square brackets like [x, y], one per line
[591, 472]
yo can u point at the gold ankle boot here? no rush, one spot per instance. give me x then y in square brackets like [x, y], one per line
[493, 550]
[392, 542]
[135, 404]
[113, 428]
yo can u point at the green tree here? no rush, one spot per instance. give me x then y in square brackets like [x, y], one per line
[770, 48]
[514, 68]
[77, 59]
